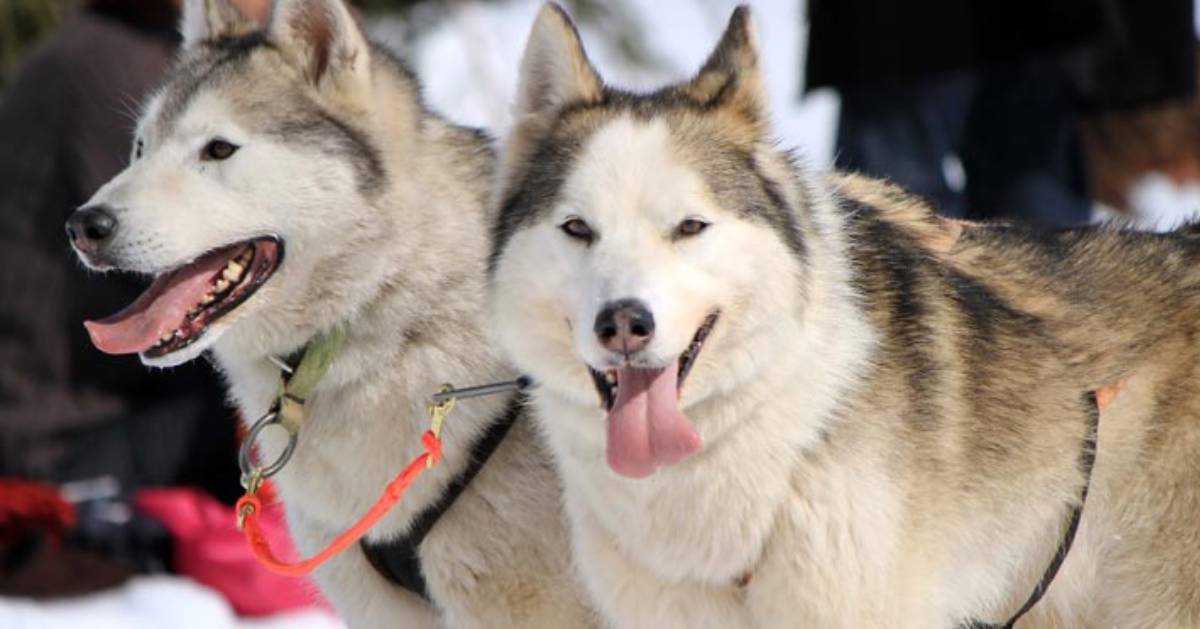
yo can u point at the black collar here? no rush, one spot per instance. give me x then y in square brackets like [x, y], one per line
[397, 560]
[1087, 460]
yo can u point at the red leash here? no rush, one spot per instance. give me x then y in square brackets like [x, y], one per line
[288, 411]
[249, 505]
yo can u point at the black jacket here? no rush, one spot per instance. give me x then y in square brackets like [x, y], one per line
[67, 410]
[1117, 52]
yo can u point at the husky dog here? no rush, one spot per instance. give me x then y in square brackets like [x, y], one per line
[784, 399]
[288, 181]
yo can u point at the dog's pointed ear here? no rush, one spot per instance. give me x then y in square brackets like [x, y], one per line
[732, 78]
[555, 70]
[209, 20]
[322, 39]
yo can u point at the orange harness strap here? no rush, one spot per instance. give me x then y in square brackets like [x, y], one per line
[249, 505]
[1105, 395]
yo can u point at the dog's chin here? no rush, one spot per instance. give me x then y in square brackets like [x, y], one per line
[92, 263]
[187, 353]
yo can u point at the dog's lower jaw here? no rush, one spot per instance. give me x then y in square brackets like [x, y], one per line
[186, 354]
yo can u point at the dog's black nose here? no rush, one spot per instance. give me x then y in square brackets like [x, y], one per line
[90, 227]
[624, 326]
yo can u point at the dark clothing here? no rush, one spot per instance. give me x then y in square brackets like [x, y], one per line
[1121, 52]
[886, 43]
[994, 86]
[1147, 57]
[905, 134]
[1021, 151]
[66, 410]
[1014, 139]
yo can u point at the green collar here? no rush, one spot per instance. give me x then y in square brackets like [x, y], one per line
[295, 387]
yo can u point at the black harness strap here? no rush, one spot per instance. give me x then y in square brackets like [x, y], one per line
[397, 560]
[1087, 460]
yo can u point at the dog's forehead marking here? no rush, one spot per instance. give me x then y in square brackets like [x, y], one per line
[290, 115]
[313, 127]
[629, 169]
[725, 153]
[199, 68]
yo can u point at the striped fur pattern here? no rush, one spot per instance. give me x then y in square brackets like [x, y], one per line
[892, 405]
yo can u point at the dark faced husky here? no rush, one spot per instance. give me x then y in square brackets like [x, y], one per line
[290, 181]
[783, 399]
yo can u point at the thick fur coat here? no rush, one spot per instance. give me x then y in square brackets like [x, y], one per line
[893, 408]
[306, 132]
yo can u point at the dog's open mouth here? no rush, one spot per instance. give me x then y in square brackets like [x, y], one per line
[646, 428]
[181, 304]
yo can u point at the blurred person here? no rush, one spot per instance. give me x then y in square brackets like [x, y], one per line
[68, 412]
[974, 105]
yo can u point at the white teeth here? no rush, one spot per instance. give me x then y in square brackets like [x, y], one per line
[221, 285]
[233, 272]
[208, 299]
[165, 337]
[178, 334]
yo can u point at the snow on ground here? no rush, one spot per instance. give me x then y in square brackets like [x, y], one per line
[1159, 204]
[1156, 203]
[150, 603]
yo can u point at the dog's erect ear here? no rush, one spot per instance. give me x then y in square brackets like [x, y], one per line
[555, 70]
[322, 38]
[209, 20]
[731, 77]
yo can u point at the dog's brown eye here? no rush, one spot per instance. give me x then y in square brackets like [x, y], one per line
[578, 229]
[690, 227]
[218, 150]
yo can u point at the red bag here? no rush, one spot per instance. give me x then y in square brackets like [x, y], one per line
[28, 506]
[211, 550]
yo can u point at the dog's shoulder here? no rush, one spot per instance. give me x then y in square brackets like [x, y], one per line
[909, 214]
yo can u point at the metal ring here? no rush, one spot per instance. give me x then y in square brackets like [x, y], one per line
[265, 471]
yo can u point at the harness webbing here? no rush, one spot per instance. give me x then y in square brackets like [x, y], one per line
[398, 560]
[1087, 460]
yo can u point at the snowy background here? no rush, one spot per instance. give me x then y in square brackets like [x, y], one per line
[468, 61]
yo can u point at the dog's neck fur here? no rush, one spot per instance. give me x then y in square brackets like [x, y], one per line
[433, 343]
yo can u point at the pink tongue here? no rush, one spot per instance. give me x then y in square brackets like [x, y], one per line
[645, 426]
[159, 310]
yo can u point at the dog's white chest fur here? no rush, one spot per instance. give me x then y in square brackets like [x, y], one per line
[654, 547]
[685, 522]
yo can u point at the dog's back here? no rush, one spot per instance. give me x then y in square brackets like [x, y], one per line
[1067, 311]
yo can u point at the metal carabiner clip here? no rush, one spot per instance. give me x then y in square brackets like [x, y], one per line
[450, 393]
[253, 475]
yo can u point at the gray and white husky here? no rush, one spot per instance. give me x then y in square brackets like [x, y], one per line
[786, 399]
[289, 180]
